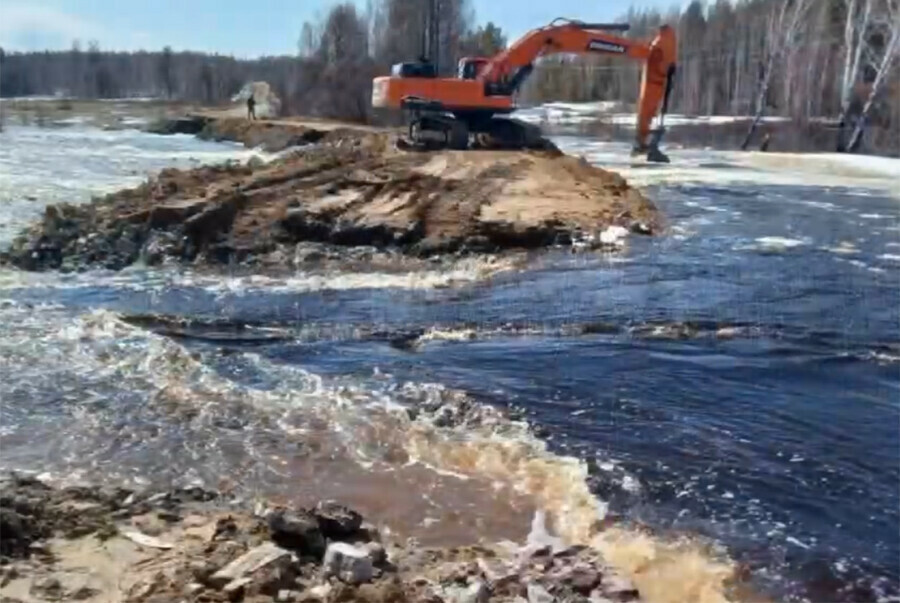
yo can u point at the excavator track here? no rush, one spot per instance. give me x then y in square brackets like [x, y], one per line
[509, 133]
[432, 127]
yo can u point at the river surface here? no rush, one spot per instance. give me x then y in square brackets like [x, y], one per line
[733, 385]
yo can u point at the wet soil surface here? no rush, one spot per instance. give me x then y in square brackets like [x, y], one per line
[352, 189]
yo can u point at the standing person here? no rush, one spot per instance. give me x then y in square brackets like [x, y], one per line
[251, 108]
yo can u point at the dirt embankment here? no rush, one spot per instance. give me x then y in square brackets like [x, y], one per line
[271, 135]
[353, 188]
[98, 544]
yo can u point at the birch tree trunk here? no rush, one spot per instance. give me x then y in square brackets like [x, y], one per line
[856, 29]
[784, 26]
[891, 52]
[760, 105]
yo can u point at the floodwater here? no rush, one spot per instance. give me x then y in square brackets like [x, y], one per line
[727, 393]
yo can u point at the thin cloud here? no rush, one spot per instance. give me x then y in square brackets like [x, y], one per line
[37, 27]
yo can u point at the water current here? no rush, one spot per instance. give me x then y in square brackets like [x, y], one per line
[727, 394]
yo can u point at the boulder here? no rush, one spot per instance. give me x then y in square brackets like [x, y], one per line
[234, 590]
[477, 592]
[253, 560]
[287, 596]
[641, 228]
[297, 530]
[337, 521]
[618, 588]
[584, 580]
[539, 594]
[349, 563]
[159, 246]
[376, 553]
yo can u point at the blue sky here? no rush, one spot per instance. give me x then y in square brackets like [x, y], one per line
[244, 28]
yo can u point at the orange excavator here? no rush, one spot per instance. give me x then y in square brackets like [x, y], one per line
[444, 112]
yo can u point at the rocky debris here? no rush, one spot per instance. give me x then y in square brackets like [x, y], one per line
[477, 574]
[30, 512]
[217, 551]
[350, 190]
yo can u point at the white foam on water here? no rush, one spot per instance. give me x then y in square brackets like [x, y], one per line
[776, 244]
[136, 278]
[348, 421]
[439, 334]
[86, 162]
[465, 271]
[797, 542]
[821, 205]
[631, 484]
[891, 257]
[843, 248]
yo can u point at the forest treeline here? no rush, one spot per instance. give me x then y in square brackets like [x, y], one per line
[805, 59]
[331, 74]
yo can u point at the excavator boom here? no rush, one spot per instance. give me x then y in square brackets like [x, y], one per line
[487, 90]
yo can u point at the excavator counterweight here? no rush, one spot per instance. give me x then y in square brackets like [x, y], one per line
[449, 111]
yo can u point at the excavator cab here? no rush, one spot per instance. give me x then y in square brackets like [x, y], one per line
[469, 68]
[420, 69]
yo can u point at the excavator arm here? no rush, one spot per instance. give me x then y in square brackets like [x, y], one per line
[507, 70]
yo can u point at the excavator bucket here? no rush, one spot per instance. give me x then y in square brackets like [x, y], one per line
[651, 149]
[653, 153]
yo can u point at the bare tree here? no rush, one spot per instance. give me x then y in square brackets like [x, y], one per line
[308, 43]
[872, 45]
[165, 71]
[483, 42]
[784, 26]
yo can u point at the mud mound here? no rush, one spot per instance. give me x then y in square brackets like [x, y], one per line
[353, 188]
